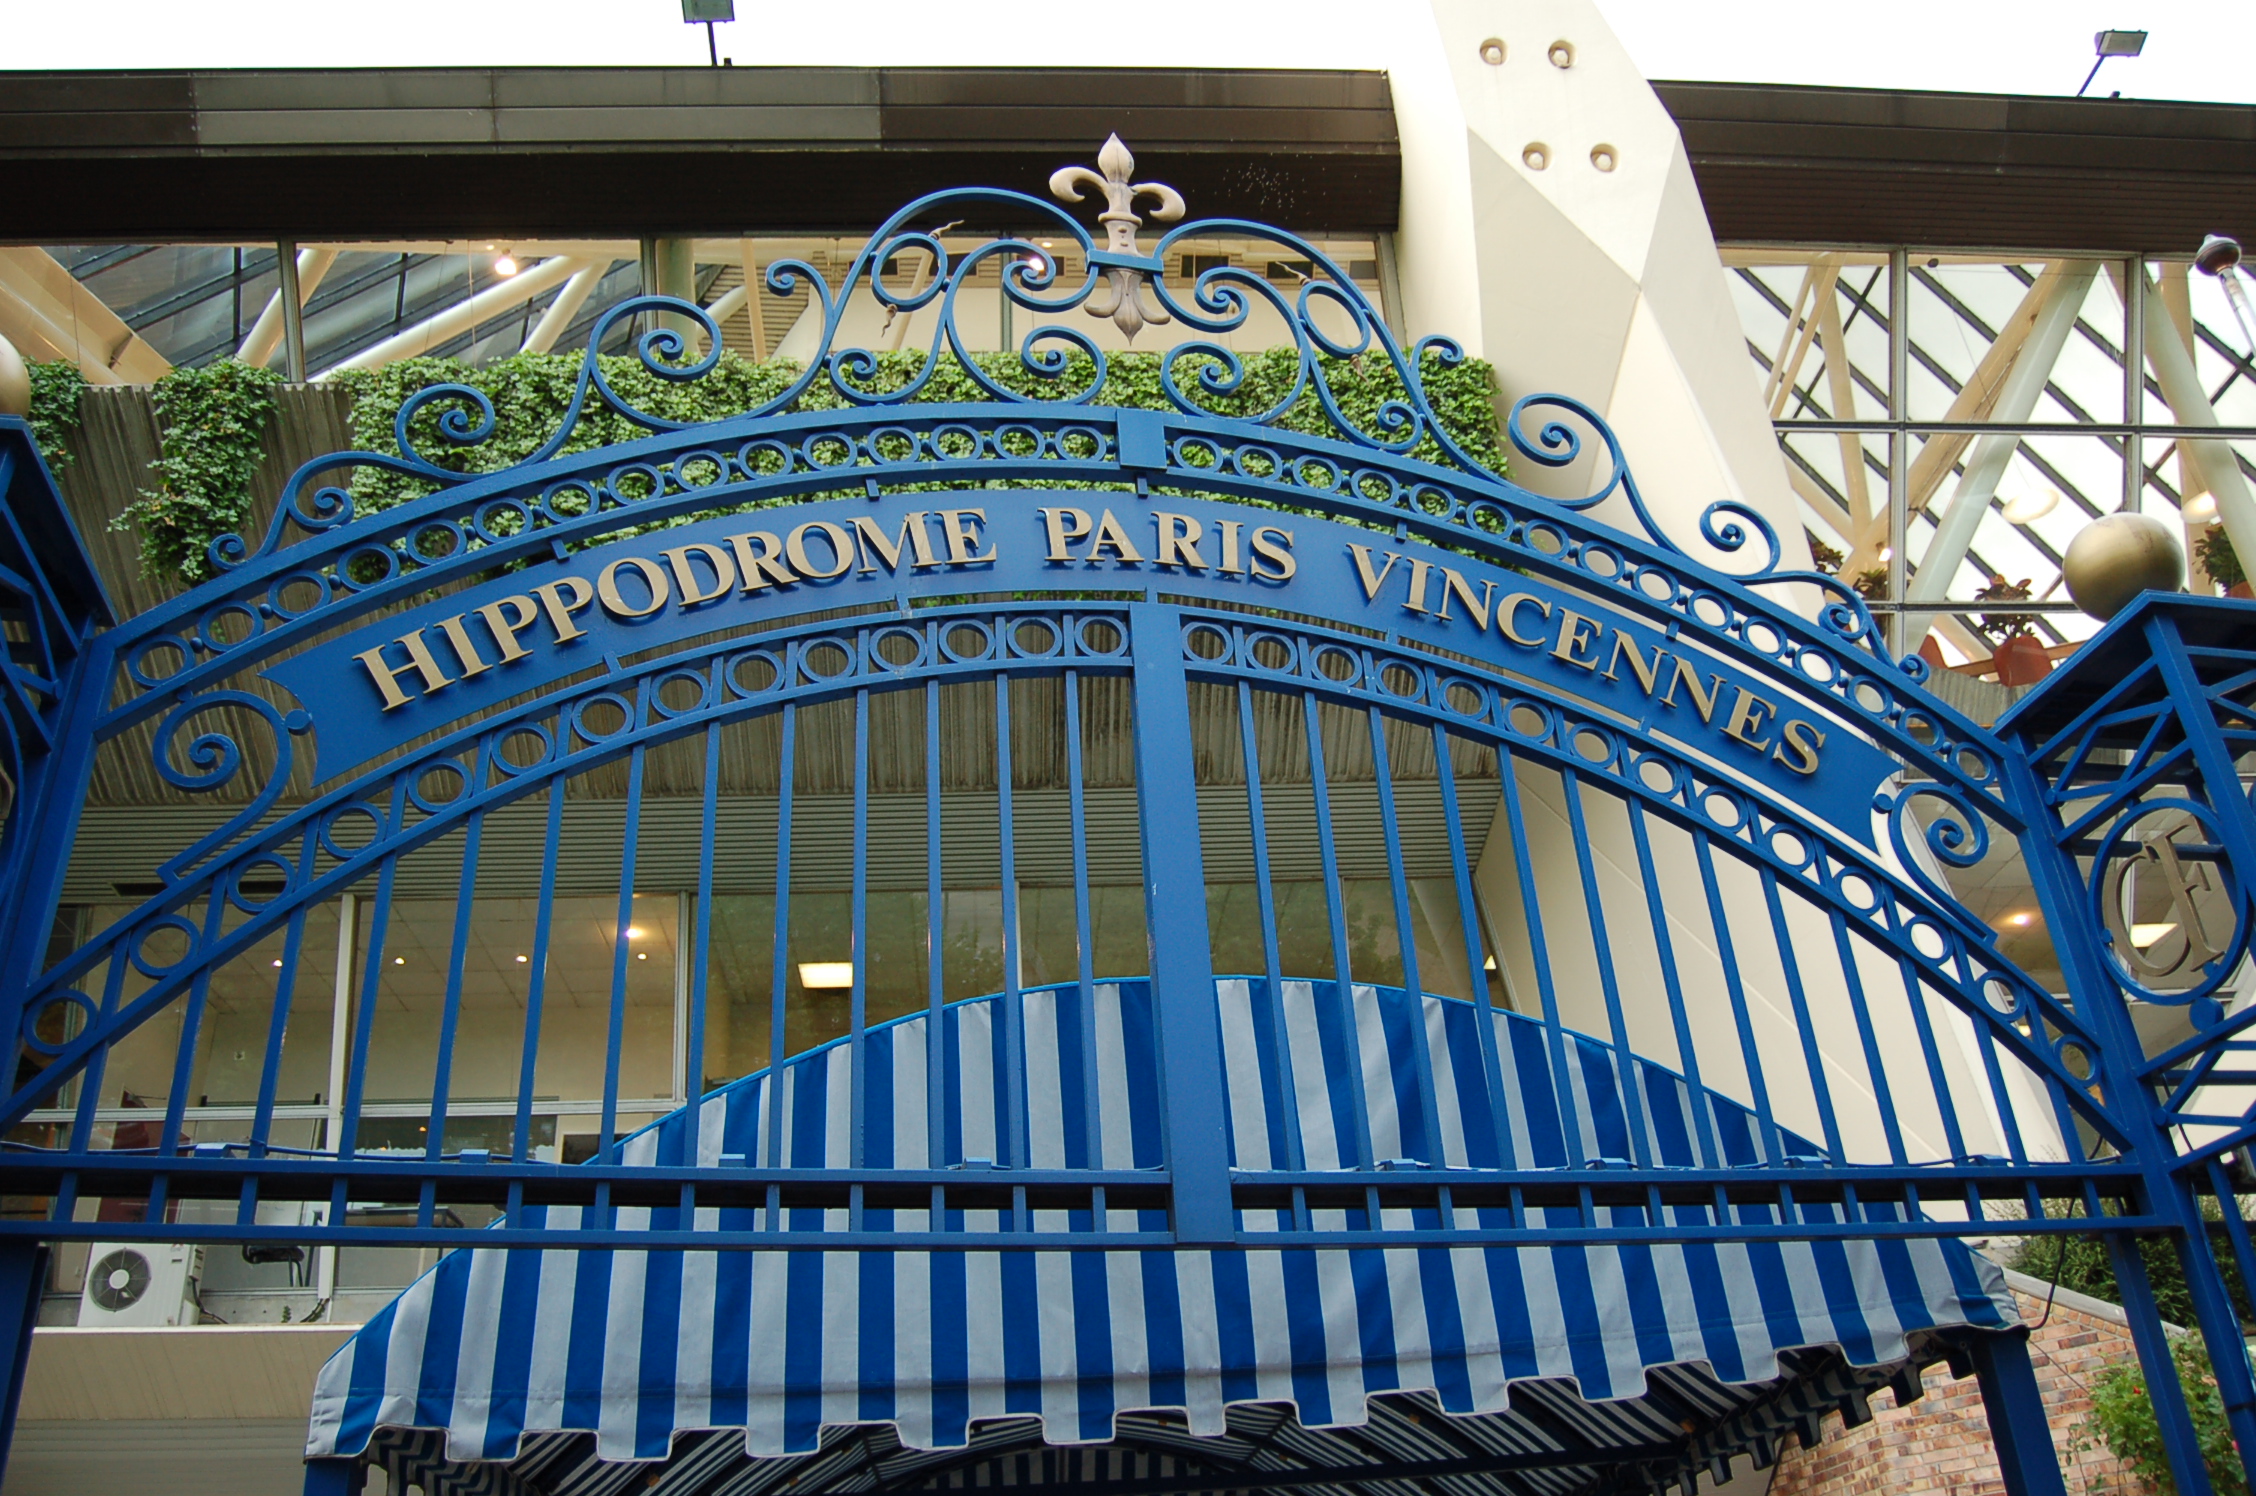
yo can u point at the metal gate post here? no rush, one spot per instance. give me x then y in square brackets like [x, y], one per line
[332, 1477]
[23, 1278]
[2096, 995]
[1182, 962]
[2181, 1443]
[2019, 1426]
[2235, 823]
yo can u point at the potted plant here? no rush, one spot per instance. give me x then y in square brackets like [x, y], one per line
[2018, 653]
[2222, 562]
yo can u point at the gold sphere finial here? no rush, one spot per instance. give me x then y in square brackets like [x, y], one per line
[2114, 559]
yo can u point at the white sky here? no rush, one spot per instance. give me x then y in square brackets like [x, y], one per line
[2197, 51]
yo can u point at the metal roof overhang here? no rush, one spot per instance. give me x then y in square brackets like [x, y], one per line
[450, 152]
[1780, 164]
[464, 152]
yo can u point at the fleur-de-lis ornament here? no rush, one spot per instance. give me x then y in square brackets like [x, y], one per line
[1121, 299]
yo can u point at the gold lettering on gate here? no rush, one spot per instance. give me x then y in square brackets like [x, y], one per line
[1750, 722]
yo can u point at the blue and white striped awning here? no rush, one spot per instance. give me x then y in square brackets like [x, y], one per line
[495, 1350]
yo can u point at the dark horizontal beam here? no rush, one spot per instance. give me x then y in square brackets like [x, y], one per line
[1779, 164]
[1745, 1204]
[475, 152]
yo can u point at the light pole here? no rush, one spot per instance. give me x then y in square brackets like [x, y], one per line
[709, 13]
[2107, 44]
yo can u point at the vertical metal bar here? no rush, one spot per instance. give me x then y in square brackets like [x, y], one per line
[1609, 983]
[1899, 441]
[2008, 1116]
[372, 976]
[1085, 968]
[1883, 1095]
[23, 1280]
[701, 951]
[1335, 902]
[614, 1044]
[1954, 1136]
[779, 989]
[442, 1073]
[1812, 1055]
[2020, 1426]
[1539, 948]
[285, 990]
[536, 983]
[183, 1065]
[2181, 1442]
[858, 1000]
[678, 1062]
[1687, 1047]
[1013, 1146]
[340, 1025]
[90, 1083]
[1750, 1054]
[1272, 961]
[937, 1080]
[1390, 830]
[1190, 1040]
[2134, 383]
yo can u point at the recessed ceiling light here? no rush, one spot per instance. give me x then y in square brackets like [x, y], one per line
[826, 975]
[399, 960]
[277, 963]
[642, 955]
[2018, 919]
[521, 960]
[635, 932]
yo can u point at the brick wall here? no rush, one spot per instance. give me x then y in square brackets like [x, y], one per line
[1942, 1441]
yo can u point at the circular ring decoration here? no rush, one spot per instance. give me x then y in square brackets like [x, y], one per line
[698, 680]
[509, 766]
[766, 660]
[980, 631]
[242, 875]
[442, 768]
[35, 1016]
[139, 949]
[577, 714]
[357, 810]
[2198, 891]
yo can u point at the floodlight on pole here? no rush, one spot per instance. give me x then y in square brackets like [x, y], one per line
[709, 13]
[2106, 44]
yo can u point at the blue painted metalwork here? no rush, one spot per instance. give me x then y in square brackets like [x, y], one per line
[1747, 810]
[2135, 750]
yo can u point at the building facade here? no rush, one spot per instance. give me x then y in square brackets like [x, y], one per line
[1375, 794]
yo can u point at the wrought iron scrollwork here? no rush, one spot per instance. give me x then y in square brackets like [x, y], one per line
[1726, 525]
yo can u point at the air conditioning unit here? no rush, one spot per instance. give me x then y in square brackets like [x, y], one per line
[140, 1285]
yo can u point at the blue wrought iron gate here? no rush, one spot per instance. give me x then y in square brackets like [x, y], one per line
[1300, 694]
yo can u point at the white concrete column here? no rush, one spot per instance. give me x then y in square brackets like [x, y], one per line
[1551, 225]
